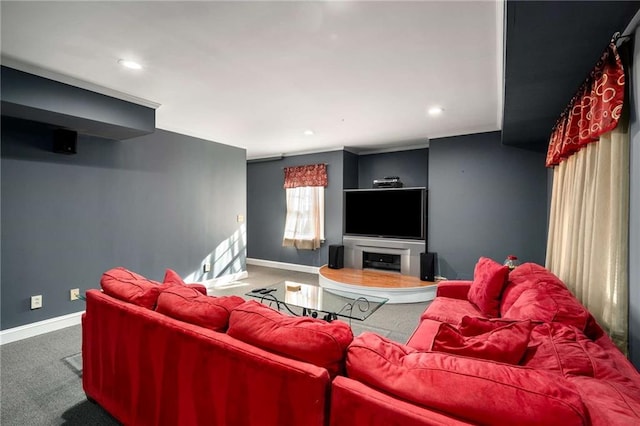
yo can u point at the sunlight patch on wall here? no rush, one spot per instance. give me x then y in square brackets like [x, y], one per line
[229, 257]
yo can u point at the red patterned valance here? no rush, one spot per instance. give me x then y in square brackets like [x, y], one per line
[311, 175]
[593, 111]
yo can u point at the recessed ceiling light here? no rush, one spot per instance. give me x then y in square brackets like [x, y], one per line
[130, 64]
[436, 110]
[308, 132]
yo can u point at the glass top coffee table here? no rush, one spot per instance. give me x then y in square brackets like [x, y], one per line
[316, 301]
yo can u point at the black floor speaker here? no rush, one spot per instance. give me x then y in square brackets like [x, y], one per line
[427, 266]
[336, 256]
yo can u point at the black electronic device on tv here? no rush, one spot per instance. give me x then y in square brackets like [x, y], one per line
[386, 213]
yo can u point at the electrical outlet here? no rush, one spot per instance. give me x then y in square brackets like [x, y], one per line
[240, 218]
[36, 302]
[206, 267]
[74, 294]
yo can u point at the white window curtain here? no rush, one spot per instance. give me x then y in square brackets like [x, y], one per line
[304, 223]
[589, 229]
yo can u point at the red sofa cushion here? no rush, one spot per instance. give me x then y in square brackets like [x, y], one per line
[548, 303]
[306, 339]
[526, 276]
[489, 279]
[171, 278]
[189, 305]
[472, 326]
[608, 403]
[556, 347]
[612, 395]
[505, 344]
[479, 391]
[535, 293]
[448, 310]
[130, 287]
[355, 404]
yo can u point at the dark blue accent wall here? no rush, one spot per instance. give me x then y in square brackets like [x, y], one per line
[157, 201]
[266, 209]
[485, 199]
[411, 166]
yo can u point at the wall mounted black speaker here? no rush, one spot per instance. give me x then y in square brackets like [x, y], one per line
[65, 141]
[427, 266]
[336, 257]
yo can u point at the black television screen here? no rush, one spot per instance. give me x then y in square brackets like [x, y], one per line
[390, 213]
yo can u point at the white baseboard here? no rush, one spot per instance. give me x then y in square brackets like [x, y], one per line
[41, 327]
[53, 324]
[283, 265]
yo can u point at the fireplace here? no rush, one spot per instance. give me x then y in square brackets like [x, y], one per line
[385, 254]
[384, 261]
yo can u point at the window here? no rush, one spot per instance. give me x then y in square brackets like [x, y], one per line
[304, 222]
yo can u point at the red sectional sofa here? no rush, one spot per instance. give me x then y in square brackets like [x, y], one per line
[504, 349]
[165, 354]
[514, 349]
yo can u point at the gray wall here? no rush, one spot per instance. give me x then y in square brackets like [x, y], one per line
[350, 170]
[634, 209]
[411, 166]
[266, 197]
[472, 211]
[485, 199]
[266, 208]
[158, 201]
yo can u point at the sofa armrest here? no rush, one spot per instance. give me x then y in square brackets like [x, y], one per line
[458, 385]
[354, 403]
[453, 289]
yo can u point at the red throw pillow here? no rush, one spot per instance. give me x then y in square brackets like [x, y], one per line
[476, 390]
[472, 326]
[506, 344]
[189, 305]
[489, 279]
[130, 287]
[171, 277]
[306, 339]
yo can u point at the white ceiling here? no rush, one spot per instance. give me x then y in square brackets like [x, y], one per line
[256, 75]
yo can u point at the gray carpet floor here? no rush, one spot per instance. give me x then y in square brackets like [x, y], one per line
[40, 377]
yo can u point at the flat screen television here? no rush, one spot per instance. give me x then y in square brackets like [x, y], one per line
[387, 213]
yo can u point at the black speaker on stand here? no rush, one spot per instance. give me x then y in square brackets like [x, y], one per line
[336, 256]
[428, 266]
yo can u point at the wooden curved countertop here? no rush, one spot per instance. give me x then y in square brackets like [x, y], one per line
[370, 278]
[396, 287]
